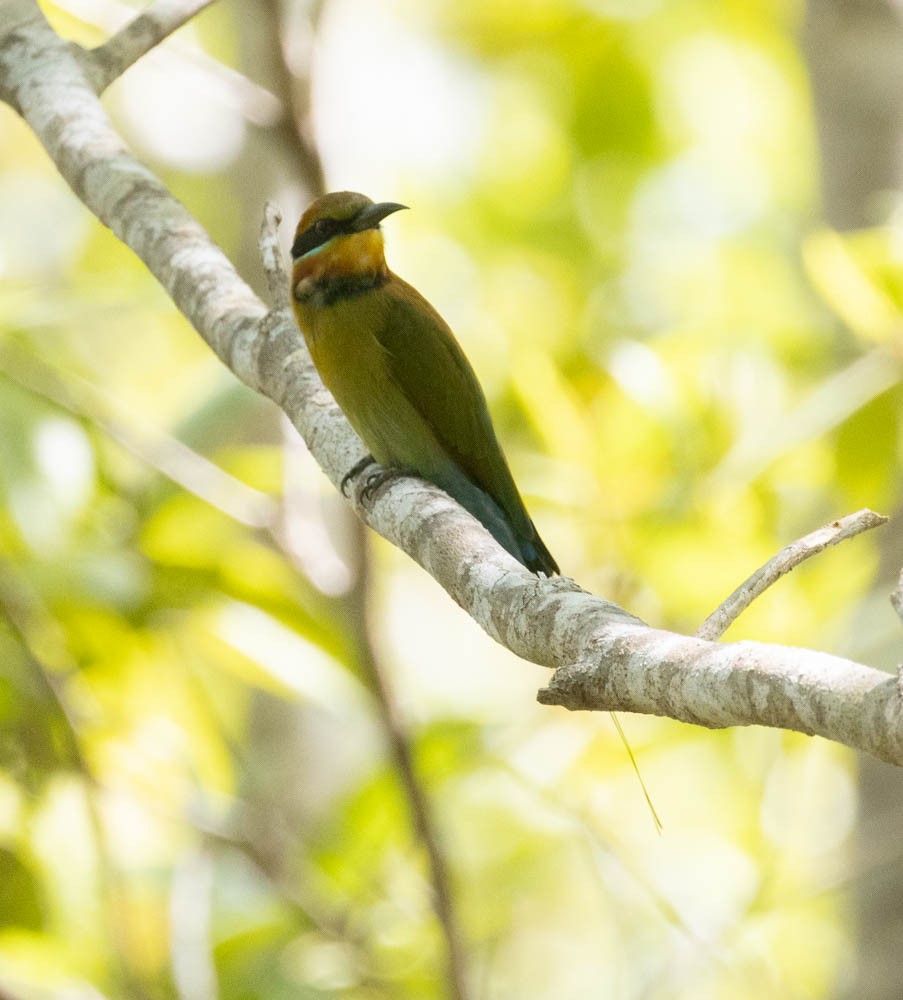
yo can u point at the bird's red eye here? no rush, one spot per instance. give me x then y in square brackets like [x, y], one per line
[323, 227]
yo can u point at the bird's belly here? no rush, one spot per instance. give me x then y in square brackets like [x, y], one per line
[353, 367]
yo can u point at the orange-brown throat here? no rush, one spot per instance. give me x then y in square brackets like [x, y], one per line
[355, 261]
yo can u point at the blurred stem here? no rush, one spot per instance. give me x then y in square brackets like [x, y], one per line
[357, 602]
[294, 131]
[286, 158]
[19, 609]
[854, 55]
[610, 848]
[157, 21]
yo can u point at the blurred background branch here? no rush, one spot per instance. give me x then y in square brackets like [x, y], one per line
[156, 22]
[854, 56]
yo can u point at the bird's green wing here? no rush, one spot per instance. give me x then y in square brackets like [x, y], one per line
[428, 366]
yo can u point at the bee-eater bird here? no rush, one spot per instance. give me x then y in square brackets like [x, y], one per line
[396, 370]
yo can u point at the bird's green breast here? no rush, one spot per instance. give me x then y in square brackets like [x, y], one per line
[344, 344]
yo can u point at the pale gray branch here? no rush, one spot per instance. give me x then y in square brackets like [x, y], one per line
[896, 599]
[721, 619]
[634, 668]
[605, 658]
[157, 21]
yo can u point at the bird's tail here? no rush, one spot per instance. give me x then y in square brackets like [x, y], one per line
[516, 534]
[535, 556]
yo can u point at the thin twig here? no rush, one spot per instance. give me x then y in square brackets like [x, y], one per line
[157, 21]
[720, 620]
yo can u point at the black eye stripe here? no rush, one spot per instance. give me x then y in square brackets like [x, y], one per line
[317, 234]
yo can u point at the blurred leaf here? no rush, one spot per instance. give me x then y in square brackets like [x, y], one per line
[843, 271]
[22, 905]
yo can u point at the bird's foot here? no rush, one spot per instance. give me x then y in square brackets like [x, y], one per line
[377, 479]
[355, 469]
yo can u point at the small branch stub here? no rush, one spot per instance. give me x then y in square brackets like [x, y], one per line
[272, 259]
[896, 598]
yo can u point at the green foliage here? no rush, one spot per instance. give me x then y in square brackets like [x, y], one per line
[22, 894]
[197, 797]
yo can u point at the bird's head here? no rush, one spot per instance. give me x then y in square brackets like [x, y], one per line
[338, 236]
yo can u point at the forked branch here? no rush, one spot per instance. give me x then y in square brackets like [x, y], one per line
[157, 21]
[721, 619]
[604, 657]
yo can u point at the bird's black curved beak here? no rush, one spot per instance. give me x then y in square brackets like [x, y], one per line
[371, 216]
